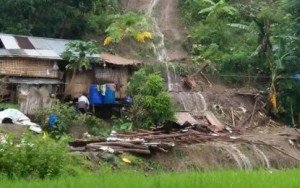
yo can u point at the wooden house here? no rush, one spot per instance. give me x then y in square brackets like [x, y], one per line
[36, 61]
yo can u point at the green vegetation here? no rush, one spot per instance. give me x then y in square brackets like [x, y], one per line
[68, 117]
[249, 42]
[55, 18]
[9, 105]
[32, 156]
[78, 55]
[152, 105]
[128, 25]
[228, 179]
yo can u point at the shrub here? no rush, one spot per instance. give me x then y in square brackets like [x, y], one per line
[68, 117]
[152, 105]
[96, 126]
[32, 156]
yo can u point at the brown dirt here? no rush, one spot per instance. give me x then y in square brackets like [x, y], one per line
[221, 99]
[278, 144]
[273, 142]
[13, 128]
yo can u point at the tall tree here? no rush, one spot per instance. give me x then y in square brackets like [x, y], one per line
[56, 18]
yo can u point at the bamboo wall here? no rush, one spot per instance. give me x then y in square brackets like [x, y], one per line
[80, 84]
[117, 76]
[100, 75]
[27, 68]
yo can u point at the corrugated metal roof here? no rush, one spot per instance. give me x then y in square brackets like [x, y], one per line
[41, 54]
[39, 43]
[36, 81]
[9, 42]
[48, 48]
[24, 42]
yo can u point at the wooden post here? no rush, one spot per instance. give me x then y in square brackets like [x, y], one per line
[202, 75]
[232, 117]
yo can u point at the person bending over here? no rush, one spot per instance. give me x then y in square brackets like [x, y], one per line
[83, 103]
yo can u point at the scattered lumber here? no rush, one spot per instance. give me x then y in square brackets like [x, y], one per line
[189, 82]
[216, 124]
[232, 117]
[81, 143]
[202, 75]
[185, 118]
[146, 142]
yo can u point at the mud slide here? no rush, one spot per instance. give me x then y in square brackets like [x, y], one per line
[271, 150]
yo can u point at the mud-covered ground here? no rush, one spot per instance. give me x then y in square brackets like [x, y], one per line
[262, 148]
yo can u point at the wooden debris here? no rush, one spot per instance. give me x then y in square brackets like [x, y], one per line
[120, 144]
[216, 124]
[185, 118]
[82, 143]
[232, 117]
[253, 111]
[145, 142]
[200, 72]
[189, 82]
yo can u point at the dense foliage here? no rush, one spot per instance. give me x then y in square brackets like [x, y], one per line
[152, 105]
[32, 156]
[68, 117]
[128, 25]
[56, 18]
[250, 41]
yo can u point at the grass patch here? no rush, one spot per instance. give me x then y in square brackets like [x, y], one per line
[9, 105]
[226, 179]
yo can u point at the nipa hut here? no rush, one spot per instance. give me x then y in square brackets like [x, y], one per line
[33, 65]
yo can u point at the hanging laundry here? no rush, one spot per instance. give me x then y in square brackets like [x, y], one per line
[102, 89]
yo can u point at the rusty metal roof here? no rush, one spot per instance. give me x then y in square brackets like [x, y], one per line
[24, 42]
[48, 48]
[118, 60]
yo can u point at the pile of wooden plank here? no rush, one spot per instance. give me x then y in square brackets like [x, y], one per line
[186, 130]
[144, 142]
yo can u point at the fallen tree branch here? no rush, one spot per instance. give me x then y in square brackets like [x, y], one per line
[232, 117]
[120, 144]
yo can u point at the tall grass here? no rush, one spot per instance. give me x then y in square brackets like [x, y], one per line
[221, 179]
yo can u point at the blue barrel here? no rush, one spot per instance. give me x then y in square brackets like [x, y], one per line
[94, 95]
[110, 96]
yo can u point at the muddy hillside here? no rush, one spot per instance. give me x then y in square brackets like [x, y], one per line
[269, 147]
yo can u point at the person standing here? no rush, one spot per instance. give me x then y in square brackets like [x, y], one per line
[83, 103]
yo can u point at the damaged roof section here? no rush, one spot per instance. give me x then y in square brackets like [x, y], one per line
[48, 48]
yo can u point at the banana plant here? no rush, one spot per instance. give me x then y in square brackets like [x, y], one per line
[215, 10]
[78, 55]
